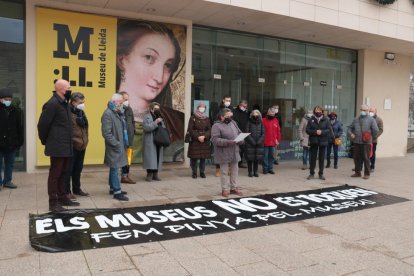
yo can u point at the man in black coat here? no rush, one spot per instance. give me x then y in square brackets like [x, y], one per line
[11, 136]
[241, 117]
[55, 132]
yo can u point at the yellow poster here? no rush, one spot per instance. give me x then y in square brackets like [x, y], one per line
[80, 48]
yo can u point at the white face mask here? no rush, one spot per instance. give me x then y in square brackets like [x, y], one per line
[126, 103]
[372, 114]
[242, 108]
[226, 103]
[202, 109]
[276, 110]
[6, 103]
[81, 106]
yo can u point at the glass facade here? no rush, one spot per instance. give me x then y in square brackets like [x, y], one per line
[265, 71]
[12, 58]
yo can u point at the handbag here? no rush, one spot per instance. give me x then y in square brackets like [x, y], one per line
[187, 138]
[162, 137]
[338, 141]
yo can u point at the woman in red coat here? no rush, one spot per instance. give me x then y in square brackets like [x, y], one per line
[271, 140]
[199, 129]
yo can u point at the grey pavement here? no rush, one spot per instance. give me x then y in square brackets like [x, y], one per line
[377, 241]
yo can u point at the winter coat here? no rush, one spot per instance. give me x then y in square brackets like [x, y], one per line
[11, 127]
[222, 135]
[313, 126]
[199, 127]
[55, 127]
[336, 129]
[303, 136]
[80, 134]
[130, 122]
[241, 118]
[380, 125]
[149, 149]
[272, 132]
[112, 132]
[368, 124]
[254, 142]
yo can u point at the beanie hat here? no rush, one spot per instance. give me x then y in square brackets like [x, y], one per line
[6, 93]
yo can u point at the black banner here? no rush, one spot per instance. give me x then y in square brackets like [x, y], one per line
[97, 228]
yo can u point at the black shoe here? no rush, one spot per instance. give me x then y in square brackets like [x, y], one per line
[121, 197]
[241, 165]
[256, 174]
[311, 176]
[250, 174]
[271, 172]
[335, 166]
[321, 177]
[202, 175]
[122, 192]
[328, 165]
[68, 202]
[56, 208]
[148, 178]
[194, 175]
[264, 172]
[156, 178]
[276, 162]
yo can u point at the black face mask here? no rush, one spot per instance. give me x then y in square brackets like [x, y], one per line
[318, 114]
[227, 120]
[157, 113]
[270, 117]
[68, 94]
[255, 118]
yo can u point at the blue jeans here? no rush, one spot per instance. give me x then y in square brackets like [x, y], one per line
[328, 153]
[8, 155]
[305, 156]
[114, 184]
[268, 159]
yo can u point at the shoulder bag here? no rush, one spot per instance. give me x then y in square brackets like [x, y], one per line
[162, 137]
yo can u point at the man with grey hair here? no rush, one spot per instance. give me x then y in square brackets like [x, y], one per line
[116, 142]
[361, 132]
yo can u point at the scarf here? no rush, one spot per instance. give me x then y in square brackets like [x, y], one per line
[81, 119]
[200, 115]
[121, 115]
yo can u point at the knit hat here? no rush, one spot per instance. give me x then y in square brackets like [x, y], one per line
[6, 93]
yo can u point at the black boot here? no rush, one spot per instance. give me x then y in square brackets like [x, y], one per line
[250, 168]
[194, 175]
[255, 168]
[328, 165]
[155, 177]
[149, 177]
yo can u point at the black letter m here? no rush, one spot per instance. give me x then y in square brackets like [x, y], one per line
[83, 37]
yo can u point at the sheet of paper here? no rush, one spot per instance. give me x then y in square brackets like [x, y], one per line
[241, 137]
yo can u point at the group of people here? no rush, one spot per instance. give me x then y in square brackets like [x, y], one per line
[229, 152]
[319, 134]
[63, 129]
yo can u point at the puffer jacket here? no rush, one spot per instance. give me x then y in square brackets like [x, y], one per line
[254, 142]
[313, 126]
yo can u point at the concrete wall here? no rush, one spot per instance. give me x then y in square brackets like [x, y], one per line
[377, 81]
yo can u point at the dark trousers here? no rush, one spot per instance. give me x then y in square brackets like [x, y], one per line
[8, 155]
[374, 149]
[193, 164]
[75, 171]
[242, 151]
[125, 170]
[58, 172]
[328, 153]
[361, 156]
[253, 166]
[317, 152]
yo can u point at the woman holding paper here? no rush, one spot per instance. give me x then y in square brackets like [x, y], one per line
[226, 151]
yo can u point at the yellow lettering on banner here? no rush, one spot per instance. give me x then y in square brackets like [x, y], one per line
[80, 48]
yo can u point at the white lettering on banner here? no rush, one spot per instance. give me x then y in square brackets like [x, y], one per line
[41, 224]
[337, 206]
[76, 223]
[116, 221]
[240, 220]
[123, 234]
[291, 201]
[244, 204]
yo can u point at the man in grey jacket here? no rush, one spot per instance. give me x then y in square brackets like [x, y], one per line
[361, 132]
[380, 124]
[116, 141]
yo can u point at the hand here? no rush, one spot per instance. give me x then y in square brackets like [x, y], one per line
[352, 136]
[276, 142]
[158, 120]
[201, 139]
[231, 142]
[318, 132]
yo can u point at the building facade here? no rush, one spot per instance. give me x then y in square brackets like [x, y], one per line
[294, 53]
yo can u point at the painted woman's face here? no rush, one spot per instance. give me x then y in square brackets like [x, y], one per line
[148, 66]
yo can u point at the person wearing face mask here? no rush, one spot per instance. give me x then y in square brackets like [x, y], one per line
[361, 132]
[116, 142]
[199, 129]
[336, 132]
[11, 136]
[380, 124]
[226, 151]
[55, 133]
[318, 130]
[80, 141]
[254, 142]
[152, 154]
[130, 124]
[271, 140]
[278, 116]
[241, 117]
[304, 138]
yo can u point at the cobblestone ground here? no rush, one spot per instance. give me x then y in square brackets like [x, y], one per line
[377, 241]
